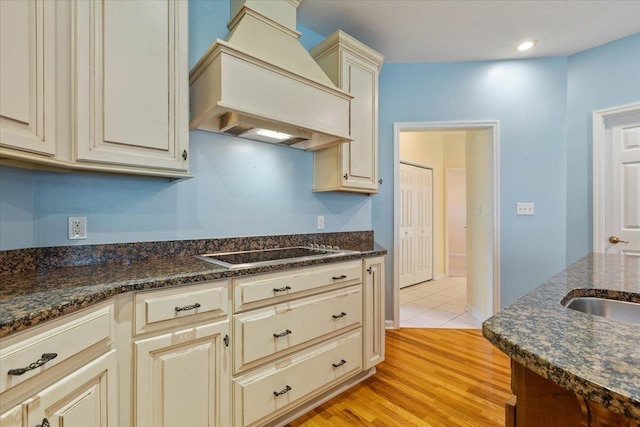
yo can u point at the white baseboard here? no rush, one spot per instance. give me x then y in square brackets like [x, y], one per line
[458, 255]
[389, 325]
[477, 313]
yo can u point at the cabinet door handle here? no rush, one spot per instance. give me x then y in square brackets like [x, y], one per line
[337, 316]
[188, 307]
[226, 340]
[184, 155]
[340, 363]
[45, 423]
[370, 270]
[346, 176]
[342, 276]
[282, 289]
[46, 357]
[285, 390]
[282, 334]
[380, 181]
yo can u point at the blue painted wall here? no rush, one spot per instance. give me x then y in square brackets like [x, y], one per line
[603, 77]
[528, 97]
[241, 188]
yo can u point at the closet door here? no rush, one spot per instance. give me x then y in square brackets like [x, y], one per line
[416, 225]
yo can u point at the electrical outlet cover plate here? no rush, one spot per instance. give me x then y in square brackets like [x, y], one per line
[320, 222]
[77, 227]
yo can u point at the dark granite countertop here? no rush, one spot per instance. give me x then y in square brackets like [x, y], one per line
[31, 297]
[595, 357]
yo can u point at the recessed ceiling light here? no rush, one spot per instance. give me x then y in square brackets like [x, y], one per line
[527, 45]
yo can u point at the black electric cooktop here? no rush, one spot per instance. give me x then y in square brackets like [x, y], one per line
[244, 259]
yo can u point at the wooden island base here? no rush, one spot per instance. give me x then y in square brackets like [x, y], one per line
[540, 402]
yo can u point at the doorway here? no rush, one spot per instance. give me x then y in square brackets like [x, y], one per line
[481, 291]
[616, 180]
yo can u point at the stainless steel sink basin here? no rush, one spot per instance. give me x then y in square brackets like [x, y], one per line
[609, 308]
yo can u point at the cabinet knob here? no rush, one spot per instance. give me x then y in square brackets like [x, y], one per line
[370, 270]
[45, 423]
[346, 176]
[184, 155]
[380, 181]
[226, 340]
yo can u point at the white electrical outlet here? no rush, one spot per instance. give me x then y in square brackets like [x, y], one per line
[524, 209]
[320, 222]
[77, 227]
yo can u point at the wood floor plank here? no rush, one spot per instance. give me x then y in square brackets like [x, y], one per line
[431, 377]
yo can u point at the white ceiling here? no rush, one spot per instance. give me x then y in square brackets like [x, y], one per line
[469, 30]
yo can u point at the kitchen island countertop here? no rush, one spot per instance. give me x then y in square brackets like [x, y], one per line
[595, 357]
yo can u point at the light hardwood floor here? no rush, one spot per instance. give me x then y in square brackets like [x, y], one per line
[431, 377]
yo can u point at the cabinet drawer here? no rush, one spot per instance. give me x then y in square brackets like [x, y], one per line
[64, 338]
[263, 289]
[269, 331]
[159, 309]
[277, 387]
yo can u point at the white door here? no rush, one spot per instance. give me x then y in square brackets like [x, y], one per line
[623, 185]
[416, 225]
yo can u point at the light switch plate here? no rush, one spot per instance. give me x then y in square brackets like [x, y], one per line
[524, 209]
[320, 222]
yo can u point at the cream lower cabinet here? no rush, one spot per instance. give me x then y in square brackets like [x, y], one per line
[182, 378]
[181, 356]
[74, 381]
[86, 398]
[374, 311]
[303, 334]
[353, 67]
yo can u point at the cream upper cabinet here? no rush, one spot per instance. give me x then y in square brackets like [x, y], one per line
[27, 75]
[131, 83]
[374, 311]
[353, 67]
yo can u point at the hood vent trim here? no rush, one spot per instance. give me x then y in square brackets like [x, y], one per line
[262, 78]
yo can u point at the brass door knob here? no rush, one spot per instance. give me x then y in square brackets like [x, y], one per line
[614, 240]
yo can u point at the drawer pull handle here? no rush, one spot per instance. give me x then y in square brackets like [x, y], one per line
[45, 423]
[285, 390]
[340, 363]
[44, 359]
[282, 334]
[188, 307]
[337, 316]
[342, 276]
[282, 289]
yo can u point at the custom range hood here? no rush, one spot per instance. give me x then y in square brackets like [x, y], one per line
[262, 84]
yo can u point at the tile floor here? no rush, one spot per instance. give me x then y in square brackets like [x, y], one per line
[437, 304]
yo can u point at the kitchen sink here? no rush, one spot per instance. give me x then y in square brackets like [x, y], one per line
[609, 308]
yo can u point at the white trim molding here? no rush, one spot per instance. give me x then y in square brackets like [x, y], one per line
[494, 127]
[599, 168]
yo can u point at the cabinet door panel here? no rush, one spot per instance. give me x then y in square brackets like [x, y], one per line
[27, 75]
[86, 398]
[374, 312]
[360, 158]
[131, 75]
[136, 73]
[12, 418]
[182, 378]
